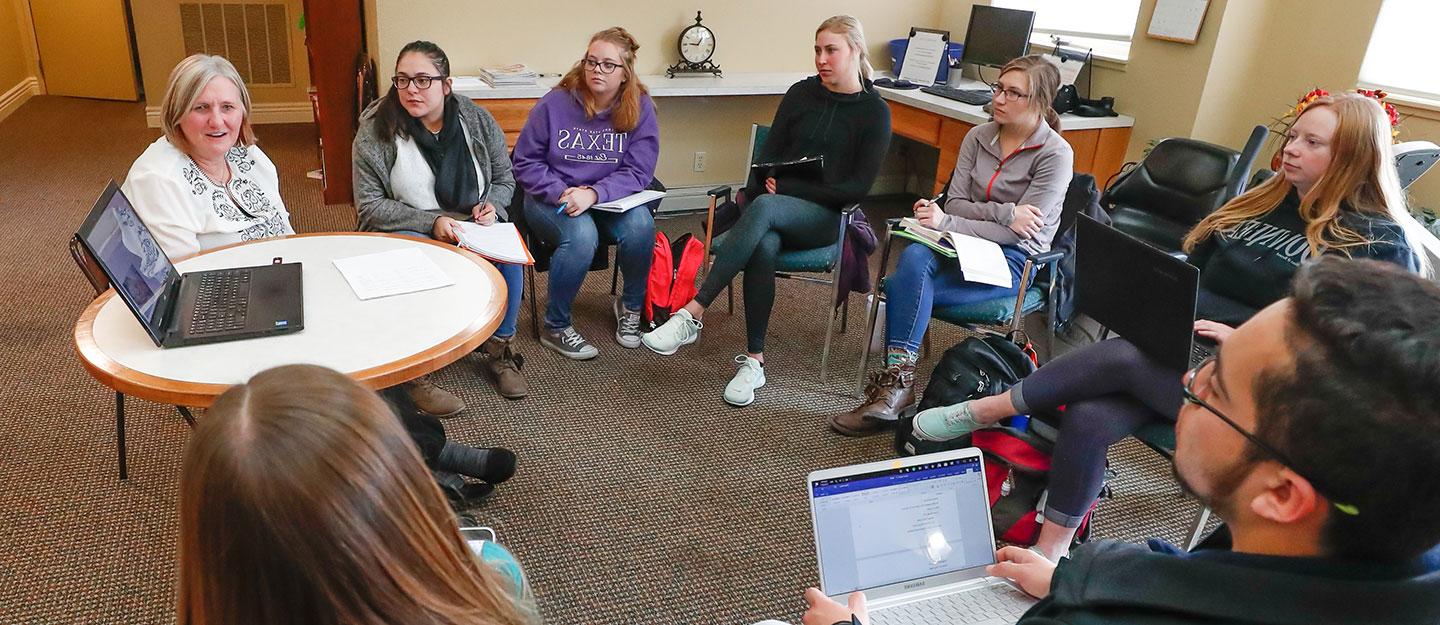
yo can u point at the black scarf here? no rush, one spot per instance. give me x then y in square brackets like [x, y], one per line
[457, 188]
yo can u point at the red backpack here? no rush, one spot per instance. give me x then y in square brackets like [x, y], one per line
[673, 271]
[1017, 469]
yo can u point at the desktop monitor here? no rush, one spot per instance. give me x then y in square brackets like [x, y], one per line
[996, 35]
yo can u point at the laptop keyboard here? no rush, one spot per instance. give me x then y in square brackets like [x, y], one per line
[977, 97]
[1199, 353]
[221, 302]
[997, 603]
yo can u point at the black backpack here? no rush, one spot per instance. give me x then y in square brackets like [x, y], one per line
[979, 366]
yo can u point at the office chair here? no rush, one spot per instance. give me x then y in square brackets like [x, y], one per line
[542, 251]
[1038, 284]
[1179, 183]
[100, 282]
[792, 264]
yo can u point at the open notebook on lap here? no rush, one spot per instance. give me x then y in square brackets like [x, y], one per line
[915, 535]
[1140, 292]
[194, 308]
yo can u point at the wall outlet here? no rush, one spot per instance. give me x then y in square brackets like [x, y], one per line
[699, 161]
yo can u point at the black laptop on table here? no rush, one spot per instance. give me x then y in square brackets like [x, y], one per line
[1140, 292]
[194, 308]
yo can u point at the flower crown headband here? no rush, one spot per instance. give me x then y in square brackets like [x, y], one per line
[1378, 94]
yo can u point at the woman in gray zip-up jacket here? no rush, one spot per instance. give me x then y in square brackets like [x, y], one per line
[1008, 187]
[425, 158]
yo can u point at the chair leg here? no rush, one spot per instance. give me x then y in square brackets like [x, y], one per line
[120, 433]
[844, 314]
[1202, 518]
[185, 414]
[614, 276]
[872, 318]
[730, 296]
[534, 307]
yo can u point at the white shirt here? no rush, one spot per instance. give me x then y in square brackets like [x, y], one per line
[413, 182]
[188, 213]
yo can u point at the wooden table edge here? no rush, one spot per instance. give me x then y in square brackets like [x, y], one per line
[121, 378]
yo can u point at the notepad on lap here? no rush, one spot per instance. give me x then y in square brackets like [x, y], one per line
[630, 201]
[500, 242]
[980, 260]
[383, 274]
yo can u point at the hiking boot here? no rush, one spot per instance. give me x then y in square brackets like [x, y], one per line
[503, 366]
[889, 396]
[748, 377]
[679, 330]
[568, 343]
[431, 399]
[627, 326]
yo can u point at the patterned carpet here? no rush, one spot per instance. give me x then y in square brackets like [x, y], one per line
[641, 496]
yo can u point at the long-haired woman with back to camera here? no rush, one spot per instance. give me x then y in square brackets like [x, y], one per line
[303, 501]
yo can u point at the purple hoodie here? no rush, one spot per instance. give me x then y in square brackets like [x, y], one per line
[559, 148]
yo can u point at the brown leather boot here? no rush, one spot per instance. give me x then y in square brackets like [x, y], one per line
[431, 399]
[889, 396]
[503, 366]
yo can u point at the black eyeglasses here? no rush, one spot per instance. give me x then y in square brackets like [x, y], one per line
[1189, 393]
[997, 91]
[422, 81]
[604, 67]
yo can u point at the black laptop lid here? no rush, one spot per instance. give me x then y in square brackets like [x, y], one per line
[1137, 291]
[136, 266]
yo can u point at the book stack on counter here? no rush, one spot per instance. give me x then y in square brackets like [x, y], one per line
[516, 75]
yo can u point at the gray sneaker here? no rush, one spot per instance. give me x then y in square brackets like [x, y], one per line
[627, 326]
[568, 343]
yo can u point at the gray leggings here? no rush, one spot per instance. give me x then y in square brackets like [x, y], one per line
[1109, 389]
[770, 223]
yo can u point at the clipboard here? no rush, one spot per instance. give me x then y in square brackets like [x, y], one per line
[805, 168]
[921, 64]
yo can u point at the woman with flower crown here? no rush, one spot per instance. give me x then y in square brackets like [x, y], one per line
[1336, 192]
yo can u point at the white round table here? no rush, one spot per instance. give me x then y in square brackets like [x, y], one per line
[379, 342]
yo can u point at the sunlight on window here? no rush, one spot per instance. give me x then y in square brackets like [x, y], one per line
[1401, 53]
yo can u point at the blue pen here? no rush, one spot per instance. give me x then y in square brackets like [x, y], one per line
[561, 208]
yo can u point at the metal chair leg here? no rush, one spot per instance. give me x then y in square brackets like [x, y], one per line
[1202, 518]
[120, 433]
[872, 318]
[844, 314]
[730, 295]
[614, 275]
[185, 414]
[534, 307]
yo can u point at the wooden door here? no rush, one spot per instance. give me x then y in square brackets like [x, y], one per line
[85, 48]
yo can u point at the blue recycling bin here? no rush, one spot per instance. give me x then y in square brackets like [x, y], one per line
[897, 58]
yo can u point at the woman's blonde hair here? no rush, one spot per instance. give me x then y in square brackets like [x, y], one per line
[1044, 84]
[302, 500]
[849, 28]
[187, 80]
[625, 112]
[1361, 177]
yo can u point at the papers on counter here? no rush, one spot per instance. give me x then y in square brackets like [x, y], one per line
[395, 272]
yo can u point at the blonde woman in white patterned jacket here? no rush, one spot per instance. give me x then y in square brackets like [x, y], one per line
[205, 183]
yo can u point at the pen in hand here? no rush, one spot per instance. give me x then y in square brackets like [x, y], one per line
[561, 208]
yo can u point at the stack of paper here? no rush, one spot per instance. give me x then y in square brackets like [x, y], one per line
[517, 75]
[383, 274]
[499, 242]
[981, 260]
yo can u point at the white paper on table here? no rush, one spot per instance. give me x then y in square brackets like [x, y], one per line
[383, 274]
[1069, 69]
[923, 56]
[630, 201]
[981, 260]
[499, 241]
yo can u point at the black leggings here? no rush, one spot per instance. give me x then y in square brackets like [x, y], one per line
[1109, 389]
[770, 223]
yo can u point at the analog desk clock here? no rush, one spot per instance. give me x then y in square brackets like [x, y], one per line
[696, 45]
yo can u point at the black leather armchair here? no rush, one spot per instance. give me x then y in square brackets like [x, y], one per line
[1178, 184]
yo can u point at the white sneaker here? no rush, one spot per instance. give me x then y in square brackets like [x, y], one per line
[748, 377]
[679, 330]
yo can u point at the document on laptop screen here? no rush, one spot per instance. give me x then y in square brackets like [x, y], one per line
[900, 525]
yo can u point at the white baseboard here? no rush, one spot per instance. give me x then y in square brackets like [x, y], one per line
[17, 96]
[265, 113]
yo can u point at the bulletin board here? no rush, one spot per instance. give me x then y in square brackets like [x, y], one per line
[1177, 20]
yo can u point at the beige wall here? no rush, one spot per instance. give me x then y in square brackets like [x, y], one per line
[158, 39]
[14, 61]
[751, 36]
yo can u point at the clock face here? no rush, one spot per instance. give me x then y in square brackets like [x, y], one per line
[697, 43]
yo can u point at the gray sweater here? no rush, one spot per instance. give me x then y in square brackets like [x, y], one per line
[987, 185]
[373, 157]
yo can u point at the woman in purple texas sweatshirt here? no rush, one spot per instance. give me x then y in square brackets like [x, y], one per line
[592, 139]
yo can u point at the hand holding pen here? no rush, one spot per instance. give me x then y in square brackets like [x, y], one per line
[928, 212]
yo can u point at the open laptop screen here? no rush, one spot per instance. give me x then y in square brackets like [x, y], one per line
[901, 524]
[138, 269]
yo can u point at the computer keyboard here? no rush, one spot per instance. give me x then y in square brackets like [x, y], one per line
[978, 97]
[221, 302]
[998, 603]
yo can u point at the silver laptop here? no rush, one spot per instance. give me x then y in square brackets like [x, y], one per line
[915, 535]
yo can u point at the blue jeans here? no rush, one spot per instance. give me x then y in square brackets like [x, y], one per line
[924, 279]
[514, 276]
[575, 240]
